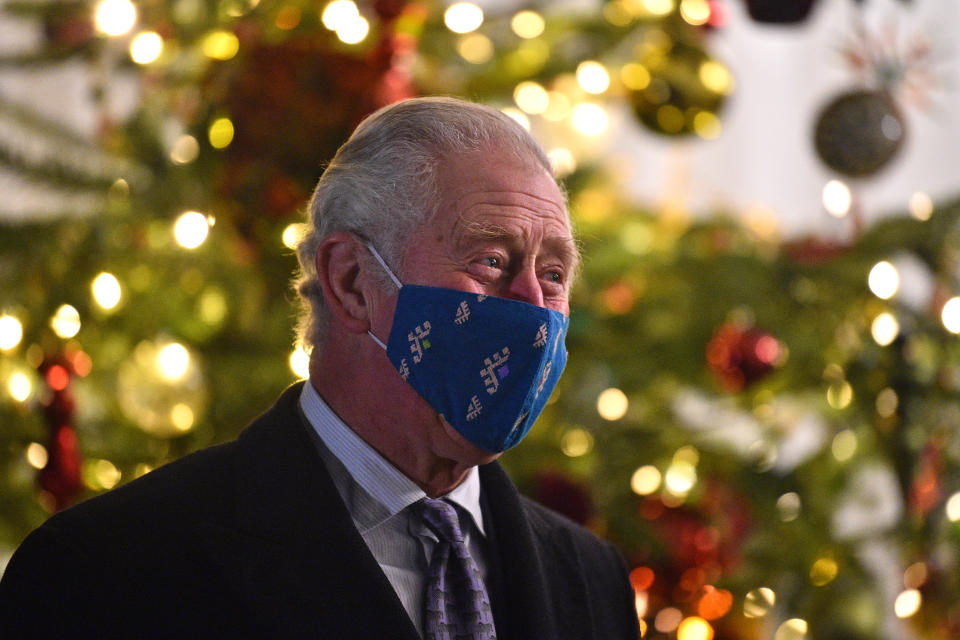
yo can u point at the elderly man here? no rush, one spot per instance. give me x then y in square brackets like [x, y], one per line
[367, 503]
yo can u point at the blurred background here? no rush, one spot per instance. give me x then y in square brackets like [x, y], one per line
[761, 405]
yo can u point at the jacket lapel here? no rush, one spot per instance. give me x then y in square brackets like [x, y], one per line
[542, 593]
[296, 558]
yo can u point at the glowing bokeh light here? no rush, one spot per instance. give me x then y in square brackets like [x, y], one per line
[475, 48]
[354, 31]
[65, 321]
[105, 473]
[19, 386]
[694, 628]
[115, 17]
[220, 45]
[339, 13]
[635, 76]
[300, 362]
[921, 206]
[185, 150]
[106, 290]
[758, 602]
[792, 629]
[645, 480]
[292, 234]
[559, 107]
[707, 125]
[668, 619]
[220, 133]
[885, 328]
[837, 198]
[953, 507]
[173, 360]
[11, 332]
[715, 76]
[695, 12]
[883, 280]
[844, 445]
[789, 505]
[528, 24]
[593, 77]
[915, 575]
[907, 603]
[658, 7]
[950, 315]
[840, 394]
[146, 47]
[531, 97]
[517, 116]
[463, 17]
[37, 456]
[576, 442]
[680, 477]
[589, 119]
[181, 417]
[562, 160]
[191, 229]
[823, 571]
[288, 17]
[612, 404]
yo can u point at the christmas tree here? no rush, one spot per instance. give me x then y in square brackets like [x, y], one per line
[767, 429]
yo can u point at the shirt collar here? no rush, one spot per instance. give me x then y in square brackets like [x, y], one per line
[375, 475]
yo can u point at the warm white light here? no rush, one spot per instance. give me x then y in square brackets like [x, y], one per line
[576, 442]
[338, 13]
[837, 198]
[475, 48]
[695, 12]
[463, 17]
[220, 45]
[115, 17]
[758, 602]
[19, 386]
[293, 234]
[191, 229]
[593, 77]
[11, 332]
[883, 280]
[921, 206]
[354, 31]
[37, 455]
[885, 329]
[792, 629]
[589, 119]
[531, 97]
[181, 417]
[106, 290]
[173, 360]
[680, 477]
[517, 116]
[658, 7]
[66, 321]
[105, 473]
[907, 603]
[612, 404]
[185, 150]
[146, 47]
[559, 107]
[950, 315]
[562, 160]
[645, 480]
[528, 24]
[953, 507]
[844, 445]
[300, 362]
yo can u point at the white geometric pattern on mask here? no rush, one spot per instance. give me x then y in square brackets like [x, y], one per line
[463, 313]
[416, 339]
[404, 369]
[543, 378]
[541, 338]
[492, 363]
[474, 409]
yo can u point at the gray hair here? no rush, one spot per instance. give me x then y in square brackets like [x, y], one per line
[381, 184]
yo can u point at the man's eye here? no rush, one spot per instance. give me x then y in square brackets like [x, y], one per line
[555, 277]
[491, 261]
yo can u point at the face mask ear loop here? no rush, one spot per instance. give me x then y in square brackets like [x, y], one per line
[383, 264]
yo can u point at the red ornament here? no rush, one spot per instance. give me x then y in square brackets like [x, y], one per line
[740, 356]
[61, 477]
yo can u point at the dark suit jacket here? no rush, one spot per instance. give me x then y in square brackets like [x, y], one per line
[251, 539]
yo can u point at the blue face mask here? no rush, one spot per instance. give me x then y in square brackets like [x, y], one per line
[486, 364]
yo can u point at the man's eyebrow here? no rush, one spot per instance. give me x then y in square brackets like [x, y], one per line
[564, 247]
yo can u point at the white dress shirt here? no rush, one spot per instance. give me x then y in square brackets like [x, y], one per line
[378, 495]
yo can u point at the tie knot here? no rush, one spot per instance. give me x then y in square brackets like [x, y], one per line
[442, 517]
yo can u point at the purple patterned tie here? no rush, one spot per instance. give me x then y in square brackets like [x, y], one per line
[456, 605]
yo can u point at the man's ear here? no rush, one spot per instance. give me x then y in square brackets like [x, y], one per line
[338, 269]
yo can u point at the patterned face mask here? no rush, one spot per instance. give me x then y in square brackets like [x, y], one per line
[486, 364]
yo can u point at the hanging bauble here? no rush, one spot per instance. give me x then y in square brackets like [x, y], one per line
[779, 11]
[859, 132]
[740, 356]
[679, 88]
